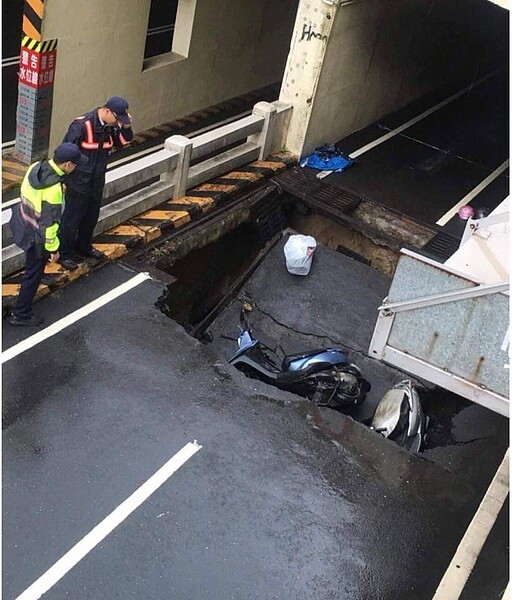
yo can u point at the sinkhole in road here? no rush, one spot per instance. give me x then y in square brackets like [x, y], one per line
[207, 276]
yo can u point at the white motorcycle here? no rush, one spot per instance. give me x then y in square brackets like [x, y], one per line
[399, 417]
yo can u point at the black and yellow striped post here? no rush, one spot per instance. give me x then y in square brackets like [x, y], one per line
[35, 86]
[33, 19]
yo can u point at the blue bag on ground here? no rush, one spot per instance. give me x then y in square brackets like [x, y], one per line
[327, 158]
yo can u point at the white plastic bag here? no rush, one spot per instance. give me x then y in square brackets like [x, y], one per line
[298, 252]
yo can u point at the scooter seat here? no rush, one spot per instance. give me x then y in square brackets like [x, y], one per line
[287, 360]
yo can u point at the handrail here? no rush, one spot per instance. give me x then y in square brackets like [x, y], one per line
[263, 130]
[453, 296]
[224, 136]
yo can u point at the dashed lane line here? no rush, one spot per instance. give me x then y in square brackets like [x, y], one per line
[109, 523]
[75, 316]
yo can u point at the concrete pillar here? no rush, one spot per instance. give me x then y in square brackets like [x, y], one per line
[311, 34]
[181, 144]
[35, 86]
[266, 136]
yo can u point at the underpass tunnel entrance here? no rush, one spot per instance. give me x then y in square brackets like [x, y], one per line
[353, 63]
[417, 95]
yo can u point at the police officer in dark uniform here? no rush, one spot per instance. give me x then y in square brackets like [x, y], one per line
[95, 133]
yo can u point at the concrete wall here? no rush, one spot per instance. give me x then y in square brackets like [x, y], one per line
[231, 47]
[381, 55]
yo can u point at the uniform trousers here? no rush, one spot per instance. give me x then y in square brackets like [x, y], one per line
[81, 213]
[34, 269]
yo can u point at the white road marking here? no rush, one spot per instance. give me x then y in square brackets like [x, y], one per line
[68, 320]
[100, 532]
[10, 203]
[415, 120]
[473, 193]
[456, 576]
[506, 340]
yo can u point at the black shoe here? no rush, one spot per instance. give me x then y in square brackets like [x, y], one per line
[32, 321]
[93, 253]
[68, 264]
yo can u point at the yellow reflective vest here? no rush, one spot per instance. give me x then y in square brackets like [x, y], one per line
[40, 208]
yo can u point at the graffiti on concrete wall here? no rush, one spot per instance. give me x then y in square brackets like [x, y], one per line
[308, 33]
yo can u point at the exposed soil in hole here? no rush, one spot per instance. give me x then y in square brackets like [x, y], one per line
[441, 406]
[338, 237]
[206, 275]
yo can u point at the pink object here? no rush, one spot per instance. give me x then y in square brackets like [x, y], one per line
[466, 212]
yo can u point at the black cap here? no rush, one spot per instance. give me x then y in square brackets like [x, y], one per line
[68, 151]
[119, 106]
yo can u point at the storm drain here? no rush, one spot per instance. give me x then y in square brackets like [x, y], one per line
[441, 247]
[323, 197]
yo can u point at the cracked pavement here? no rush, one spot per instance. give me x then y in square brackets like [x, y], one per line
[336, 304]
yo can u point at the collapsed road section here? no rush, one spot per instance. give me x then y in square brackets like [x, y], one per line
[334, 306]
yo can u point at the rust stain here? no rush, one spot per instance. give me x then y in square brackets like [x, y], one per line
[128, 230]
[83, 269]
[182, 200]
[163, 215]
[215, 187]
[112, 251]
[478, 367]
[11, 177]
[51, 268]
[150, 233]
[432, 343]
[205, 204]
[275, 166]
[243, 176]
[179, 221]
[42, 290]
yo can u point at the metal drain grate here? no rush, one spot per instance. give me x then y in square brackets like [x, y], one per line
[329, 199]
[337, 200]
[296, 182]
[441, 246]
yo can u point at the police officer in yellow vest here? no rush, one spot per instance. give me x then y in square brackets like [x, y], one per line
[35, 222]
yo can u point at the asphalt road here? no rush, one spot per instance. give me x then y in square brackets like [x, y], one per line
[430, 166]
[272, 506]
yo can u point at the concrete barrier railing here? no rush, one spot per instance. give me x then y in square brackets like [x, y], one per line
[168, 173]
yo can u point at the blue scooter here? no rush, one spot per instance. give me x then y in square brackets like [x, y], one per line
[324, 376]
